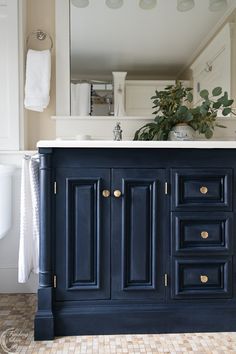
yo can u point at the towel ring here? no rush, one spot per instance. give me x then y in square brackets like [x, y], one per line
[40, 36]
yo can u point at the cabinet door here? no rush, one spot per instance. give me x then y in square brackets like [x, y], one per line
[82, 234]
[137, 234]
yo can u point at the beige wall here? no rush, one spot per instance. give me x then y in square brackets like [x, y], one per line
[41, 15]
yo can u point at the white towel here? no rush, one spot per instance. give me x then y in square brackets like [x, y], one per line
[29, 221]
[34, 186]
[80, 99]
[38, 77]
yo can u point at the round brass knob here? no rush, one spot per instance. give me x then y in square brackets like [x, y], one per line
[106, 193]
[117, 193]
[204, 234]
[204, 190]
[204, 279]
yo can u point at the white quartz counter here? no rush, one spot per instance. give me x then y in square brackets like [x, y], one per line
[200, 144]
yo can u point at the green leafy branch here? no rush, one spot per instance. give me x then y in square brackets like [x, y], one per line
[172, 106]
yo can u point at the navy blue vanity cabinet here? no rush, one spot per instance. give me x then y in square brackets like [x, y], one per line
[138, 240]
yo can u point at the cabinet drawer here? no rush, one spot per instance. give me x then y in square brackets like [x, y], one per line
[200, 189]
[204, 232]
[194, 278]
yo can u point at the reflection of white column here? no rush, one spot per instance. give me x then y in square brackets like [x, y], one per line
[119, 93]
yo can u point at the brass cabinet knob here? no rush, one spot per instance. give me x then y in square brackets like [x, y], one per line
[204, 234]
[106, 193]
[117, 193]
[204, 190]
[204, 279]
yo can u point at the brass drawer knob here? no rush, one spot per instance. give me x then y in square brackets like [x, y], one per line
[204, 279]
[117, 193]
[204, 190]
[204, 234]
[106, 193]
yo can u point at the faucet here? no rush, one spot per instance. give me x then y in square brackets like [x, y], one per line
[117, 132]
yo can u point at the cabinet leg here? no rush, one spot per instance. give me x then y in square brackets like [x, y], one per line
[44, 320]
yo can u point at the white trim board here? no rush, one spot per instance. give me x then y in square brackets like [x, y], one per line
[195, 144]
[10, 77]
[62, 57]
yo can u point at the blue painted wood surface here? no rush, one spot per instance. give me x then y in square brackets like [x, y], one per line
[111, 255]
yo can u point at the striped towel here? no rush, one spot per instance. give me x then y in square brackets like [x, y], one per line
[29, 222]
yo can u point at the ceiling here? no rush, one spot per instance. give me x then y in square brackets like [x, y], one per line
[156, 43]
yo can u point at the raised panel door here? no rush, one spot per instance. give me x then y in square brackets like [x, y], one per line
[82, 234]
[137, 234]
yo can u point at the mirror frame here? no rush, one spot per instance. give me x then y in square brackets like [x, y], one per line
[62, 58]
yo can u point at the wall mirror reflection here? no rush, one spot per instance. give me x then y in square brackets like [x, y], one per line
[153, 43]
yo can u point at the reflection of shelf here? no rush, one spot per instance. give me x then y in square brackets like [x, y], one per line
[126, 118]
[102, 118]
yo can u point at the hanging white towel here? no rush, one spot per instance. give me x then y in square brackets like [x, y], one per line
[29, 222]
[34, 186]
[80, 99]
[38, 77]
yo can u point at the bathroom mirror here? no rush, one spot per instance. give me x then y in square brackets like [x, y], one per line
[148, 39]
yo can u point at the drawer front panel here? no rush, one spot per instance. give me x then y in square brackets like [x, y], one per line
[194, 278]
[201, 189]
[201, 233]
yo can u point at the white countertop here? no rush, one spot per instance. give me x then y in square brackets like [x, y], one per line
[198, 144]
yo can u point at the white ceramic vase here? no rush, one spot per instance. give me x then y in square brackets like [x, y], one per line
[119, 93]
[181, 132]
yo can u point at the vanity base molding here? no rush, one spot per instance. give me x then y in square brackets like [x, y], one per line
[124, 321]
[136, 241]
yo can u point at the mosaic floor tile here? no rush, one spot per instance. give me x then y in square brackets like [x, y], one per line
[16, 336]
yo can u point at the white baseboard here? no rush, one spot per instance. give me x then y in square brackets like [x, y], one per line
[9, 283]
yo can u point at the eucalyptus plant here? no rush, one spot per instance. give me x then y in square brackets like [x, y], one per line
[172, 106]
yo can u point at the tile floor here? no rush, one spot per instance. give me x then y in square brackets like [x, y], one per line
[16, 336]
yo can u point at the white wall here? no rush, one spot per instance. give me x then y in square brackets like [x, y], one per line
[10, 244]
